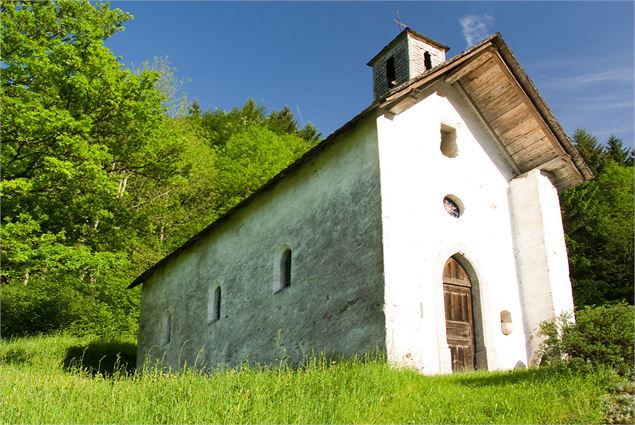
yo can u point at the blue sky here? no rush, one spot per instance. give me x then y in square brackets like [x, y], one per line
[312, 56]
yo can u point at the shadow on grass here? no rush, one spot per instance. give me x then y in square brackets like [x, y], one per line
[15, 356]
[102, 357]
[534, 375]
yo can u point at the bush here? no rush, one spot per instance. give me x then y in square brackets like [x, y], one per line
[602, 335]
[37, 309]
[43, 307]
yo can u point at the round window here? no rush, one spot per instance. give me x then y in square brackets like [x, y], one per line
[452, 207]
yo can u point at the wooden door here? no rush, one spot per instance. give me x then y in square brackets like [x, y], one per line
[459, 321]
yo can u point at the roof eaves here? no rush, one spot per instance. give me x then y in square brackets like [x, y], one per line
[528, 86]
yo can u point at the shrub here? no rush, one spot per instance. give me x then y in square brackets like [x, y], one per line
[37, 309]
[43, 307]
[602, 335]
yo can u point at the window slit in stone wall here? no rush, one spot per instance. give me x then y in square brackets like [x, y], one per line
[391, 75]
[285, 269]
[427, 61]
[282, 269]
[166, 329]
[213, 305]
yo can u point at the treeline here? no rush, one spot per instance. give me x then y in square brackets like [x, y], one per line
[99, 181]
[598, 222]
[105, 171]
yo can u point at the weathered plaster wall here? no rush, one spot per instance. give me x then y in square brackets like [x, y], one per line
[543, 267]
[328, 213]
[419, 236]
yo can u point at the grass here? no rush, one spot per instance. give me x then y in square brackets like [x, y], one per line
[38, 385]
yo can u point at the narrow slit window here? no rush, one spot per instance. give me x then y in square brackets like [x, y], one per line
[213, 305]
[285, 269]
[391, 75]
[282, 268]
[427, 61]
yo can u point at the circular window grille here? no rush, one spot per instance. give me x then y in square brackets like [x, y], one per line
[451, 207]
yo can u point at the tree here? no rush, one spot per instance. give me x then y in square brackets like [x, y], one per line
[104, 171]
[79, 132]
[282, 121]
[590, 149]
[616, 151]
[250, 158]
[195, 109]
[598, 222]
[309, 133]
[219, 125]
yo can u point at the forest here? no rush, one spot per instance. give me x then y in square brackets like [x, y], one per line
[106, 169]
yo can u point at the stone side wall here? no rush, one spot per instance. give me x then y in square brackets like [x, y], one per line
[328, 213]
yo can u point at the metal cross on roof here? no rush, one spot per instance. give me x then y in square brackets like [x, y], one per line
[400, 24]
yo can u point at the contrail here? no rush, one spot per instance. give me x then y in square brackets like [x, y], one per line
[300, 114]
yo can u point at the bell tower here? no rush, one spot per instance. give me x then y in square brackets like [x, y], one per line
[408, 55]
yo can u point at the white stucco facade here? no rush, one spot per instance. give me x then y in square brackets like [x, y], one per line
[541, 254]
[419, 236]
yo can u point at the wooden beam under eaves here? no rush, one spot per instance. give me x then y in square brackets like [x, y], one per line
[531, 106]
[485, 56]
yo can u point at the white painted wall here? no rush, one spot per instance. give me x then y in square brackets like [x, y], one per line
[541, 254]
[419, 236]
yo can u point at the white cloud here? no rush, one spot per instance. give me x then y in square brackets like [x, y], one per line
[603, 76]
[606, 102]
[475, 27]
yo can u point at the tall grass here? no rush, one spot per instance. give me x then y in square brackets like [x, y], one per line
[36, 388]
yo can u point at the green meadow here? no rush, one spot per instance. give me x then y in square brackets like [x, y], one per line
[41, 384]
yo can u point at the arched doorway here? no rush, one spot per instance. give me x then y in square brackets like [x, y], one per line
[459, 316]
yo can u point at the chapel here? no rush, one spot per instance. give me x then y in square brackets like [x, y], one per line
[427, 229]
